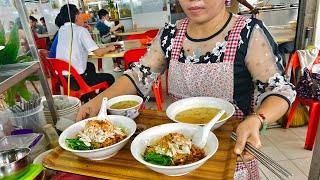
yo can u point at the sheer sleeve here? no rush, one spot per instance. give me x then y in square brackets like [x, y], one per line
[150, 66]
[266, 67]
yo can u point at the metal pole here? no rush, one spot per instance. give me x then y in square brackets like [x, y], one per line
[23, 14]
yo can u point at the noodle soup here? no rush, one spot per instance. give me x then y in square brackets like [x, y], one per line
[198, 115]
[124, 104]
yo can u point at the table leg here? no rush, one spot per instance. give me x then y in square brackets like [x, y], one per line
[99, 64]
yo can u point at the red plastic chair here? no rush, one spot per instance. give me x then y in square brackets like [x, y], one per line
[314, 110]
[59, 66]
[41, 43]
[49, 71]
[134, 55]
[152, 33]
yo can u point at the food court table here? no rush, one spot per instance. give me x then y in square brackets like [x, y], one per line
[132, 32]
[128, 45]
[282, 34]
[124, 166]
[45, 35]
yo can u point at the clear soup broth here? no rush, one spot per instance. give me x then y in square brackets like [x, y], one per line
[124, 104]
[198, 115]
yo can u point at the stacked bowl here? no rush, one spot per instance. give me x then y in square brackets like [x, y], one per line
[67, 107]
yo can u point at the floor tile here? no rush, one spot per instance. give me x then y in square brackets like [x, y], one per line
[301, 132]
[273, 152]
[293, 149]
[262, 176]
[298, 175]
[278, 135]
[303, 164]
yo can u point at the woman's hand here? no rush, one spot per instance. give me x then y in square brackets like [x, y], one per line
[87, 110]
[248, 131]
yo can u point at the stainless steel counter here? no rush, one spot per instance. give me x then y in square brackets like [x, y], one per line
[280, 15]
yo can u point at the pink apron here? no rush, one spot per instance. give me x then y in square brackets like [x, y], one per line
[211, 80]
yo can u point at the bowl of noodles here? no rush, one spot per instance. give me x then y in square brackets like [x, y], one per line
[200, 110]
[97, 139]
[167, 149]
[126, 105]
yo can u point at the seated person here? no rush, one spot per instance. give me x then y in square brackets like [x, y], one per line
[81, 46]
[105, 32]
[36, 27]
[59, 22]
[22, 36]
[43, 22]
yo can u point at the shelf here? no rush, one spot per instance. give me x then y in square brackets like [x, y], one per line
[13, 73]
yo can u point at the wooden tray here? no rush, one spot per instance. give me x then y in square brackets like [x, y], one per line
[124, 166]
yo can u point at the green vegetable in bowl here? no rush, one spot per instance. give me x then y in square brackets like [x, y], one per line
[158, 159]
[76, 144]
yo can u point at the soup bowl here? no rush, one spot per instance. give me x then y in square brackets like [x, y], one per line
[152, 135]
[201, 102]
[126, 123]
[131, 112]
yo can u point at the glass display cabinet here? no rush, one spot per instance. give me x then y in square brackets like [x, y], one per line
[18, 53]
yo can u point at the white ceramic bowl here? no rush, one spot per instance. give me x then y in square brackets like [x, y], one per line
[197, 102]
[75, 103]
[102, 153]
[149, 136]
[129, 112]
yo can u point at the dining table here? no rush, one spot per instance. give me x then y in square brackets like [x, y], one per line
[124, 166]
[133, 31]
[282, 33]
[46, 35]
[125, 46]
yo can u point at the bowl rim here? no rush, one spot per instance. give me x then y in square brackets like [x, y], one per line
[202, 97]
[100, 149]
[14, 150]
[174, 167]
[119, 101]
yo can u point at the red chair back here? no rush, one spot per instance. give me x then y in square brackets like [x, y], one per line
[133, 55]
[49, 71]
[60, 66]
[41, 43]
[152, 33]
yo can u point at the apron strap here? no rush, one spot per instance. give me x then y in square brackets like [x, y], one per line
[233, 39]
[178, 40]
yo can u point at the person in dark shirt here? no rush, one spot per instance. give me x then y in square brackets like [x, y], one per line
[36, 27]
[105, 32]
[43, 22]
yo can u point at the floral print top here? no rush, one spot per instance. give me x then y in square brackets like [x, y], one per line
[258, 67]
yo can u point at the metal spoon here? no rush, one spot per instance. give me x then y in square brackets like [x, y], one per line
[200, 137]
[103, 110]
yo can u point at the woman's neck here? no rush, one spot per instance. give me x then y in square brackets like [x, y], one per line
[206, 29]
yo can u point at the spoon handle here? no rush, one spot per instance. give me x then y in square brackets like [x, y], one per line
[214, 120]
[103, 110]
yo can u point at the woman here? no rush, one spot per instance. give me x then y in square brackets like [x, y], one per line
[214, 53]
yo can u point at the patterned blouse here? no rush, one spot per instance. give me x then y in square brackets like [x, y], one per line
[258, 67]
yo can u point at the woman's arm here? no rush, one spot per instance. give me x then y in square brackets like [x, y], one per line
[135, 80]
[274, 94]
[121, 87]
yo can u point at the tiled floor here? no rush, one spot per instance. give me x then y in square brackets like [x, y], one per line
[282, 145]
